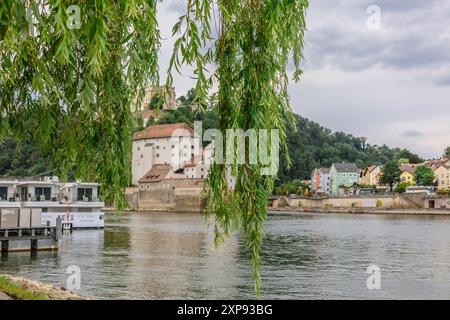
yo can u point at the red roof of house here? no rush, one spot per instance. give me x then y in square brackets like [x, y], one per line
[165, 131]
[157, 173]
[409, 167]
[436, 163]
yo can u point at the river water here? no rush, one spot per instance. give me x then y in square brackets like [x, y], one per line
[306, 256]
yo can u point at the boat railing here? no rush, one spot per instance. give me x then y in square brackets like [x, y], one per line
[54, 197]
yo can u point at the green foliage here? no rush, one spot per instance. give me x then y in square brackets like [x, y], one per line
[406, 154]
[379, 203]
[18, 292]
[447, 152]
[403, 161]
[390, 174]
[81, 83]
[292, 187]
[256, 40]
[401, 187]
[424, 176]
[22, 159]
[156, 103]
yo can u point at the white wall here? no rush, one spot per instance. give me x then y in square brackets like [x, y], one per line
[173, 150]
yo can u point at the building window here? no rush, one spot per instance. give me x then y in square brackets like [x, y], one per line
[142, 156]
[157, 147]
[157, 155]
[42, 193]
[139, 148]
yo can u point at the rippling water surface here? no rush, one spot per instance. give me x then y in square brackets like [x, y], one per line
[313, 256]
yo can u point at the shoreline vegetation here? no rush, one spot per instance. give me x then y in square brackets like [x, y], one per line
[20, 288]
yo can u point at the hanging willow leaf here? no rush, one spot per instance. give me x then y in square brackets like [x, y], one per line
[73, 89]
[78, 84]
[255, 42]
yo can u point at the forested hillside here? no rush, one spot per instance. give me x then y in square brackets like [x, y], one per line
[312, 146]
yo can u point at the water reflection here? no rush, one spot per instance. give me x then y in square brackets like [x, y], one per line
[163, 256]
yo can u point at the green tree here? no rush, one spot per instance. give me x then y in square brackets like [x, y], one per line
[424, 176]
[390, 174]
[81, 78]
[447, 152]
[412, 157]
[252, 82]
[403, 161]
[401, 187]
[156, 103]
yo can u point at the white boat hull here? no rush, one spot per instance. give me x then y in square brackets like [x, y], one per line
[77, 219]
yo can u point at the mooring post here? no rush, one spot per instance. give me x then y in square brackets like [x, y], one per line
[34, 245]
[5, 245]
[58, 228]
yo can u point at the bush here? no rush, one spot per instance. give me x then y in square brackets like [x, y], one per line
[401, 187]
[379, 203]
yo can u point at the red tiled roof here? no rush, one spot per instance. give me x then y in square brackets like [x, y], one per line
[164, 131]
[157, 173]
[411, 168]
[436, 163]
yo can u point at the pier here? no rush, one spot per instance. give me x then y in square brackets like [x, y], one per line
[29, 238]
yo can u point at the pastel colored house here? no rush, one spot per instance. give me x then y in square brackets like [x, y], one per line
[320, 180]
[343, 174]
[407, 175]
[371, 175]
[442, 175]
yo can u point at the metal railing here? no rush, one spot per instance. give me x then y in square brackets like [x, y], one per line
[15, 197]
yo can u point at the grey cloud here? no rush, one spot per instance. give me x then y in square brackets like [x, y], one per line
[442, 81]
[414, 35]
[412, 133]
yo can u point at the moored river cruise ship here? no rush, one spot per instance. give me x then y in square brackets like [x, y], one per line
[77, 203]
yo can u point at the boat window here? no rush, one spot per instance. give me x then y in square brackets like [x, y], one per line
[3, 193]
[84, 194]
[43, 193]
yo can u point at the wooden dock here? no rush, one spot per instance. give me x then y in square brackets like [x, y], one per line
[30, 238]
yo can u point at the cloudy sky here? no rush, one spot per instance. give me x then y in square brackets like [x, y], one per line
[387, 81]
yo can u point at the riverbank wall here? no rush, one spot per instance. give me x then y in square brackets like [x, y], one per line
[378, 203]
[175, 195]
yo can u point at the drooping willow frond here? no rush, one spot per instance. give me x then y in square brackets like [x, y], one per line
[256, 41]
[69, 75]
[70, 71]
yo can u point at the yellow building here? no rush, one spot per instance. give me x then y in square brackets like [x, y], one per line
[442, 175]
[407, 175]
